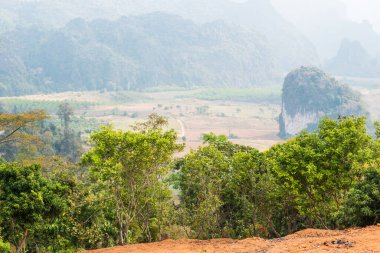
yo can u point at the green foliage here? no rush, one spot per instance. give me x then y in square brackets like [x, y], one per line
[202, 110]
[201, 181]
[318, 169]
[27, 200]
[69, 143]
[362, 205]
[130, 168]
[121, 193]
[31, 134]
[377, 129]
[223, 190]
[4, 247]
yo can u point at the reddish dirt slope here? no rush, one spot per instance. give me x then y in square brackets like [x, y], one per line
[310, 240]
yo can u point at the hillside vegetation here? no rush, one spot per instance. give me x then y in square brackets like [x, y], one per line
[48, 46]
[121, 190]
[132, 54]
[256, 15]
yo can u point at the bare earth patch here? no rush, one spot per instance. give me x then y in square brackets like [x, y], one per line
[309, 240]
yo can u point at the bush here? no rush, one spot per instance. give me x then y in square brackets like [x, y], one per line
[4, 247]
[362, 206]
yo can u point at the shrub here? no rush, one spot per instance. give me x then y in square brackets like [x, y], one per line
[362, 206]
[4, 247]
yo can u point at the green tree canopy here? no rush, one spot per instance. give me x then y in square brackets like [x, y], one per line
[319, 168]
[26, 200]
[131, 166]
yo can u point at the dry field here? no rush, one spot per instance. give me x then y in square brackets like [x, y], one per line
[246, 123]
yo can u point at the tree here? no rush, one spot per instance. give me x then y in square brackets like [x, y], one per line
[131, 167]
[362, 205]
[26, 200]
[319, 168]
[377, 129]
[68, 144]
[246, 195]
[65, 232]
[200, 181]
[65, 113]
[12, 124]
[223, 189]
[154, 122]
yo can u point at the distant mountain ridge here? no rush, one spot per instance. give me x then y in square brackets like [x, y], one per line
[353, 60]
[133, 53]
[290, 47]
[326, 24]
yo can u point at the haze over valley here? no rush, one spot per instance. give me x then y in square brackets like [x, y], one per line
[136, 121]
[49, 46]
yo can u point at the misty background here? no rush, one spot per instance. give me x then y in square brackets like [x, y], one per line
[52, 45]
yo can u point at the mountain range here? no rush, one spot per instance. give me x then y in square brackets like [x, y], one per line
[53, 45]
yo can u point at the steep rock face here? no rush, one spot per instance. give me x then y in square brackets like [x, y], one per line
[309, 95]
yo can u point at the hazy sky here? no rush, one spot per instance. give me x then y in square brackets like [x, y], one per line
[364, 9]
[357, 10]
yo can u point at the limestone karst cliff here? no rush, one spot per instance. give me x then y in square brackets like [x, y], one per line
[309, 95]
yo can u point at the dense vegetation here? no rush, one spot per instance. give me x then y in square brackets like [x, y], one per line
[121, 191]
[27, 135]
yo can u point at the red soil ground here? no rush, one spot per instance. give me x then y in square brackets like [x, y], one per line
[309, 240]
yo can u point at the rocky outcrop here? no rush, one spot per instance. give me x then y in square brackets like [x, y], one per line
[309, 95]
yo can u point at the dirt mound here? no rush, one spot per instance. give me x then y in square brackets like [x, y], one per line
[309, 240]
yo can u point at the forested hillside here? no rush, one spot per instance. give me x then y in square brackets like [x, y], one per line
[132, 53]
[56, 46]
[292, 48]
